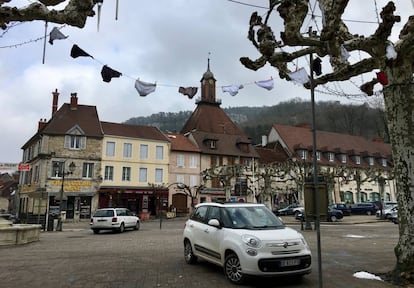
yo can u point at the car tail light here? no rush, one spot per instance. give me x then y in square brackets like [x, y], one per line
[114, 219]
[91, 220]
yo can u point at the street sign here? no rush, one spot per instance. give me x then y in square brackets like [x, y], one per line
[24, 167]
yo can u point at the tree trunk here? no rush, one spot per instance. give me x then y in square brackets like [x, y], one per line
[399, 103]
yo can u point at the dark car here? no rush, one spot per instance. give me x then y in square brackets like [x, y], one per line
[346, 210]
[364, 208]
[333, 215]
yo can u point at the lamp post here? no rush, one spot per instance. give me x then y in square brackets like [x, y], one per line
[59, 168]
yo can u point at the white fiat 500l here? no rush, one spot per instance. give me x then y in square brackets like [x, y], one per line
[116, 219]
[245, 239]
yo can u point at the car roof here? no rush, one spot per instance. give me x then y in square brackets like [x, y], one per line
[230, 204]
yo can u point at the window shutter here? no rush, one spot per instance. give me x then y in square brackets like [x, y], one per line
[67, 141]
[83, 143]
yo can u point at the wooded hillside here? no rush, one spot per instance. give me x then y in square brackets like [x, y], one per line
[359, 120]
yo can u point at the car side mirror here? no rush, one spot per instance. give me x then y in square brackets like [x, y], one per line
[214, 222]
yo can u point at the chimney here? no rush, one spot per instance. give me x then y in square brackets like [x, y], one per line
[73, 101]
[42, 124]
[55, 101]
[264, 140]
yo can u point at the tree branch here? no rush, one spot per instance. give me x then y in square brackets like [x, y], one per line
[75, 13]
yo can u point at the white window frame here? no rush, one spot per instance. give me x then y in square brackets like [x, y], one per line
[127, 150]
[193, 161]
[143, 175]
[110, 148]
[126, 173]
[331, 157]
[159, 152]
[303, 154]
[143, 151]
[158, 175]
[87, 170]
[371, 161]
[180, 178]
[343, 158]
[384, 162]
[193, 180]
[318, 155]
[109, 173]
[180, 161]
[75, 142]
[358, 160]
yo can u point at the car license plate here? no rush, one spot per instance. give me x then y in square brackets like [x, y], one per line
[101, 220]
[289, 262]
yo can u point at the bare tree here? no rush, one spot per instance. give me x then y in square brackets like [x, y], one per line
[74, 13]
[398, 92]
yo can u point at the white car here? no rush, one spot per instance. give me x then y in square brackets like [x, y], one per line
[115, 219]
[387, 211]
[245, 239]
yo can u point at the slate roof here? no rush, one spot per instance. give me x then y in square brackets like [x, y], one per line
[301, 138]
[211, 118]
[181, 143]
[133, 131]
[271, 155]
[84, 116]
[226, 144]
[330, 142]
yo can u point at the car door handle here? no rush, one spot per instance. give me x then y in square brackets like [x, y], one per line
[207, 231]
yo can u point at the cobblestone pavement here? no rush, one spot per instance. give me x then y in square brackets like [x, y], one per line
[153, 257]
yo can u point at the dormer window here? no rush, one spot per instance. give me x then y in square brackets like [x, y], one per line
[331, 157]
[358, 160]
[343, 158]
[213, 144]
[303, 154]
[371, 161]
[384, 162]
[318, 155]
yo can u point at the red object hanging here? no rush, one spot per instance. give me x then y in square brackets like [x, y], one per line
[382, 78]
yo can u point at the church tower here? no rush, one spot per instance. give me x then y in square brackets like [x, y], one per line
[208, 87]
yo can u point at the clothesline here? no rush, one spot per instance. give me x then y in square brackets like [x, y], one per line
[145, 88]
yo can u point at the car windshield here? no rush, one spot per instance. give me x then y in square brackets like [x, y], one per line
[253, 217]
[104, 213]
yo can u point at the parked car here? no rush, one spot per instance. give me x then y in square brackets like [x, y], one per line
[289, 210]
[333, 215]
[8, 217]
[115, 219]
[367, 208]
[346, 209]
[394, 215]
[245, 239]
[386, 212]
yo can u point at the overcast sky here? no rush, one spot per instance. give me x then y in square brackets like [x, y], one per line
[166, 42]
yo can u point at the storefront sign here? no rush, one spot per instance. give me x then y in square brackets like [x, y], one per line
[72, 185]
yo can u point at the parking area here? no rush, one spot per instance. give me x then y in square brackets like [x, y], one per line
[153, 257]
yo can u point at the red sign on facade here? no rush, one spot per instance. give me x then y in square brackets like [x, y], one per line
[24, 167]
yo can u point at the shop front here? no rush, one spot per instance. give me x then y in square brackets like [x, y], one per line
[143, 202]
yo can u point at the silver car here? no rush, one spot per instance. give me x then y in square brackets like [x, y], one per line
[115, 219]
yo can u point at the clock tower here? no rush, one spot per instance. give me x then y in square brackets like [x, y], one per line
[208, 86]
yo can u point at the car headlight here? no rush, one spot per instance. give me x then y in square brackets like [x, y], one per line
[304, 242]
[251, 241]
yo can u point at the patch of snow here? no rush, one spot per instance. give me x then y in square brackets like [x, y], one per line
[353, 236]
[366, 275]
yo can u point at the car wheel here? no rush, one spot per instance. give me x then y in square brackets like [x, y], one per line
[95, 231]
[333, 218]
[121, 228]
[369, 213]
[297, 213]
[137, 225]
[232, 269]
[189, 256]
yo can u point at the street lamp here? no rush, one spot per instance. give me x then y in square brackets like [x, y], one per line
[59, 168]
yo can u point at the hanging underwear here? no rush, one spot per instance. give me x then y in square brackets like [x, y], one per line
[76, 52]
[189, 91]
[267, 84]
[109, 73]
[144, 88]
[55, 34]
[232, 89]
